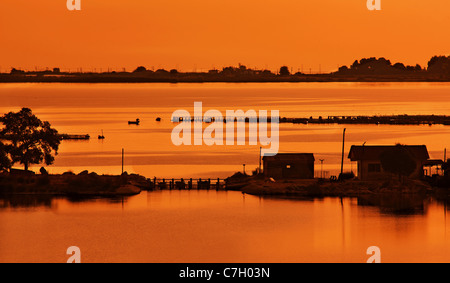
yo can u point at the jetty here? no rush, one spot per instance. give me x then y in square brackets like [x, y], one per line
[186, 184]
[74, 137]
[373, 120]
[362, 120]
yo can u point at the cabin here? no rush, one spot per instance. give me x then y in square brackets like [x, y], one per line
[289, 166]
[369, 163]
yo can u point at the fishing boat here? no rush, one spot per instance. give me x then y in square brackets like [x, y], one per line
[134, 122]
[101, 137]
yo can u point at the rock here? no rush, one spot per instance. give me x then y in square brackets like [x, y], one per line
[128, 190]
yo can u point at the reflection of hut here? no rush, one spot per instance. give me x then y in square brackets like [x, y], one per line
[289, 166]
[369, 163]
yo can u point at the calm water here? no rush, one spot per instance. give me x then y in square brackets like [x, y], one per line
[202, 226]
[217, 226]
[91, 108]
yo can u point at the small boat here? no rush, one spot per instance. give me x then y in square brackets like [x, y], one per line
[134, 122]
[101, 137]
[158, 119]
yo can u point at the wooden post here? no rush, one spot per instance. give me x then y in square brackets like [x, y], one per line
[260, 149]
[343, 149]
[122, 158]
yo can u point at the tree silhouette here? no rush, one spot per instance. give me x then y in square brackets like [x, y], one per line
[140, 69]
[5, 162]
[284, 71]
[398, 160]
[29, 140]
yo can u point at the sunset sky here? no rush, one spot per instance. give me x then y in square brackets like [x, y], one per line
[203, 34]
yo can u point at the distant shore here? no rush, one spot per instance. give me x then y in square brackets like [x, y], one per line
[365, 70]
[207, 78]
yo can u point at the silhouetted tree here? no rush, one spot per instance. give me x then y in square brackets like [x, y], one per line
[30, 141]
[399, 66]
[439, 64]
[5, 162]
[284, 71]
[343, 68]
[140, 69]
[15, 71]
[398, 160]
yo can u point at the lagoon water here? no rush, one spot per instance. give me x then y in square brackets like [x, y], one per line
[91, 108]
[210, 226]
[221, 226]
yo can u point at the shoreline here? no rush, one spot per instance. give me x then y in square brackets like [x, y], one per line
[88, 185]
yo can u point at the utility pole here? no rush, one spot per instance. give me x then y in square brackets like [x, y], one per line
[260, 149]
[122, 159]
[343, 149]
[244, 168]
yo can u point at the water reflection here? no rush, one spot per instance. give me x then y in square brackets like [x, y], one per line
[396, 204]
[15, 201]
[26, 201]
[401, 205]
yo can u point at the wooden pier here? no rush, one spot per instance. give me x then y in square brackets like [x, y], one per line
[187, 184]
[374, 120]
[74, 137]
[361, 120]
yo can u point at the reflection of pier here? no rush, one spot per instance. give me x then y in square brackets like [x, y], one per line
[187, 184]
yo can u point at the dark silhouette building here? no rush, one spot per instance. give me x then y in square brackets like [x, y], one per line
[289, 166]
[370, 164]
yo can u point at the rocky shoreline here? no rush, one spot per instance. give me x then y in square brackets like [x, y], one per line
[91, 184]
[325, 188]
[69, 184]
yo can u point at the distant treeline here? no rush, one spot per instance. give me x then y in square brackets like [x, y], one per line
[366, 69]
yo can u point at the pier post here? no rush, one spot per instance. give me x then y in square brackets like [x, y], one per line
[190, 184]
[182, 185]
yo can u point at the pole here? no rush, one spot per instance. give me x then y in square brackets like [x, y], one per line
[343, 149]
[260, 148]
[122, 159]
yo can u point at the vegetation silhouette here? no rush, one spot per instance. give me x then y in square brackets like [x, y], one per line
[5, 161]
[28, 140]
[398, 160]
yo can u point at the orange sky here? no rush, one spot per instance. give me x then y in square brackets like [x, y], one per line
[203, 34]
